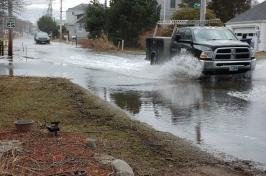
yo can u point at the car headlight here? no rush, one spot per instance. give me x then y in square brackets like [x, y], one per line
[206, 52]
[206, 55]
[252, 53]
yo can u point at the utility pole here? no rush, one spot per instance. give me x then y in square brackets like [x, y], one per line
[50, 9]
[203, 5]
[61, 19]
[10, 30]
[164, 8]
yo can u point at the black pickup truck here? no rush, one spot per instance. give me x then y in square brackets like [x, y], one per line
[216, 47]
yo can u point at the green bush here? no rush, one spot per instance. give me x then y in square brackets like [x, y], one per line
[128, 19]
[47, 24]
[95, 19]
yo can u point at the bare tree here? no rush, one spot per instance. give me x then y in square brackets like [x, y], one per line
[16, 4]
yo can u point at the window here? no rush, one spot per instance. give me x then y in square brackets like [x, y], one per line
[173, 4]
[182, 34]
[213, 34]
[188, 35]
[80, 27]
[251, 34]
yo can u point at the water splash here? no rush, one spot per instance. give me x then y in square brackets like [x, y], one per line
[182, 67]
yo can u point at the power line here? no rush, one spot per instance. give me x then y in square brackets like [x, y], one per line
[50, 9]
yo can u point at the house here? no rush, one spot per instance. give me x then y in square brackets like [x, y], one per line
[168, 8]
[75, 22]
[251, 24]
[22, 26]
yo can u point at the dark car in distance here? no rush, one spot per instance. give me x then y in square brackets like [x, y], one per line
[42, 38]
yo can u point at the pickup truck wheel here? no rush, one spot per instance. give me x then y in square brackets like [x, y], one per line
[153, 59]
[247, 75]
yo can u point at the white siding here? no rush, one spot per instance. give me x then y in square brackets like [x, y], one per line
[263, 37]
[70, 18]
[252, 27]
[168, 10]
[74, 28]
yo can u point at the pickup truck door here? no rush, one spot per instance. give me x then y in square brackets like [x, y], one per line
[185, 42]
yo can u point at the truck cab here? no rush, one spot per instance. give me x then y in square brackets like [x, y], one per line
[217, 48]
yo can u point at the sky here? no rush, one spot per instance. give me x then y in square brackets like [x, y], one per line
[37, 8]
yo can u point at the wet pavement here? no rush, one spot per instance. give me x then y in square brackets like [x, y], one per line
[223, 114]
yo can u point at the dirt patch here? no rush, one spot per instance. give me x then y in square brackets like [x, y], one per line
[147, 151]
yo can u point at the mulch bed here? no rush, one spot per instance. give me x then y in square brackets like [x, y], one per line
[47, 155]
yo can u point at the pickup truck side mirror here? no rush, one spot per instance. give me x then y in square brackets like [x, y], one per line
[177, 37]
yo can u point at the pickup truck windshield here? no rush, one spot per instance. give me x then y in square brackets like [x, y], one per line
[213, 34]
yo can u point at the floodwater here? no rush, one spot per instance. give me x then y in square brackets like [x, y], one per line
[223, 114]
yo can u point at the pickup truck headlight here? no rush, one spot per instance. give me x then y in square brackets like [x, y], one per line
[206, 55]
[206, 52]
[252, 53]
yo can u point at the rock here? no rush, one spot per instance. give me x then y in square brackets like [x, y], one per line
[91, 143]
[104, 159]
[122, 168]
[10, 145]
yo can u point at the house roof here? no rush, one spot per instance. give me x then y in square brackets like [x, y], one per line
[256, 13]
[79, 7]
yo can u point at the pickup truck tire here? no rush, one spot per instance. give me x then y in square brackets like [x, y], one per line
[153, 58]
[247, 75]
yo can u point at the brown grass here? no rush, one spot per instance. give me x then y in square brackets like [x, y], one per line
[162, 31]
[261, 55]
[101, 44]
[43, 154]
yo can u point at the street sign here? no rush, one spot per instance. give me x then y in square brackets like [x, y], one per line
[196, 5]
[11, 22]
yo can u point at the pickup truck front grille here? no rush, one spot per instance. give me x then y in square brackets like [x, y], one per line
[232, 53]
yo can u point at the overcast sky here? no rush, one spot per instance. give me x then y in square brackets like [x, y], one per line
[38, 8]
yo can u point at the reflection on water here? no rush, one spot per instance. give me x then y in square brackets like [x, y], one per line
[199, 110]
[8, 67]
[181, 98]
[197, 104]
[127, 100]
[198, 133]
[11, 67]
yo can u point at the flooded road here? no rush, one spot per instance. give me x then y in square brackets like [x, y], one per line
[221, 114]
